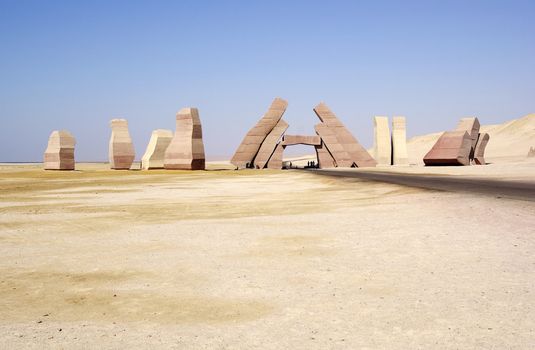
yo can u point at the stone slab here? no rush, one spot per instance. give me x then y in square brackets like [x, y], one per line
[452, 148]
[269, 144]
[121, 149]
[470, 125]
[342, 145]
[275, 161]
[155, 152]
[479, 153]
[325, 159]
[382, 143]
[289, 140]
[255, 136]
[399, 141]
[186, 149]
[59, 154]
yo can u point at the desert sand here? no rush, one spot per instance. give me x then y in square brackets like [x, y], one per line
[107, 259]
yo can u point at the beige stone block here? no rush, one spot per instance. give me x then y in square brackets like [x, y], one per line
[399, 141]
[155, 152]
[186, 149]
[121, 149]
[479, 153]
[59, 154]
[289, 140]
[382, 147]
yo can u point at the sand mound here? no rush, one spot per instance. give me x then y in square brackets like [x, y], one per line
[509, 141]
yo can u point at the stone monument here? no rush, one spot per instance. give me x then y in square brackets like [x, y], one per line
[121, 149]
[459, 147]
[382, 145]
[399, 141]
[155, 152]
[186, 149]
[452, 148]
[59, 155]
[270, 143]
[342, 145]
[252, 142]
[479, 153]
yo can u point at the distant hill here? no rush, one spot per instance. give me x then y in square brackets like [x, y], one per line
[509, 141]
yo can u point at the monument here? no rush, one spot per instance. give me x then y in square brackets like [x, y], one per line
[325, 159]
[334, 144]
[479, 153]
[382, 145]
[459, 147]
[471, 126]
[270, 143]
[59, 154]
[342, 145]
[399, 141]
[121, 149]
[186, 149]
[289, 140]
[275, 162]
[452, 148]
[155, 152]
[252, 142]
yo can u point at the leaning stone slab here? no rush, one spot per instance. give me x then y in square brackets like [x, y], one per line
[186, 149]
[399, 141]
[382, 145]
[270, 143]
[121, 149]
[479, 153]
[275, 162]
[325, 159]
[470, 125]
[289, 140]
[335, 148]
[59, 154]
[155, 153]
[452, 148]
[252, 141]
[342, 145]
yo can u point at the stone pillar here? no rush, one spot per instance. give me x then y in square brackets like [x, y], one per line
[59, 155]
[479, 153]
[399, 141]
[186, 149]
[155, 153]
[382, 147]
[121, 150]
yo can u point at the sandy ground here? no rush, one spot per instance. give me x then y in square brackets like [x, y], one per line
[258, 259]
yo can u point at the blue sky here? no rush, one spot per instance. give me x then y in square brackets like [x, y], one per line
[76, 64]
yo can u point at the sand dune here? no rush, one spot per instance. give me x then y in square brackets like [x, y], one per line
[509, 141]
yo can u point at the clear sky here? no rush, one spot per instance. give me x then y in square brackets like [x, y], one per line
[77, 64]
